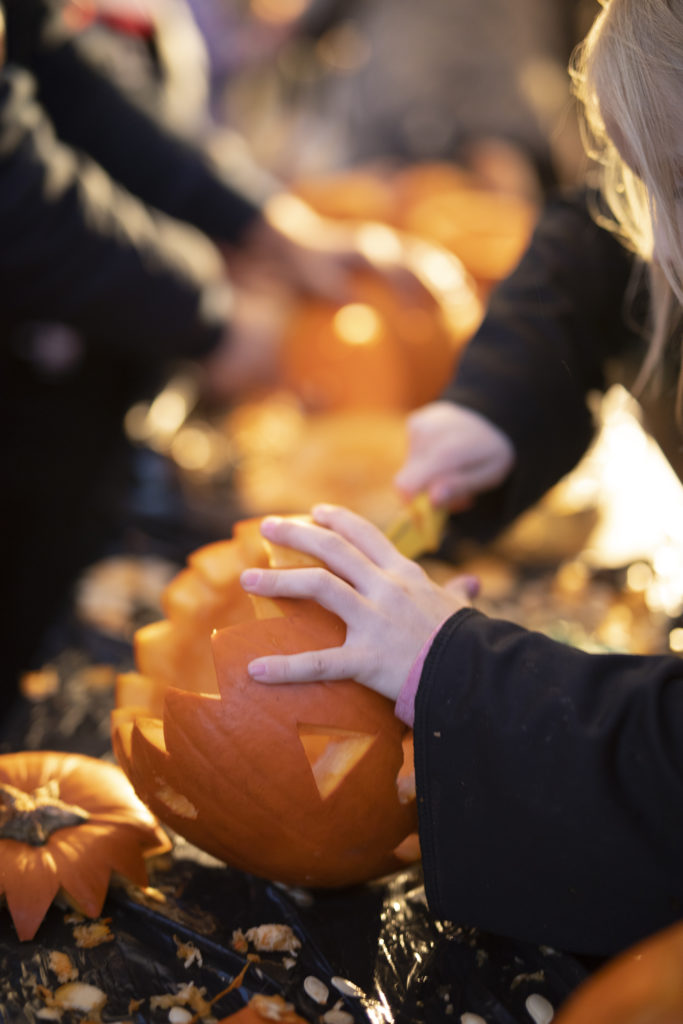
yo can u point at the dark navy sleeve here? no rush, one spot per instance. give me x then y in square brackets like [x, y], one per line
[78, 249]
[545, 344]
[91, 114]
[550, 786]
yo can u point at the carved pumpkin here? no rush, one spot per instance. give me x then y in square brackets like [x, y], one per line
[389, 347]
[298, 783]
[66, 822]
[643, 985]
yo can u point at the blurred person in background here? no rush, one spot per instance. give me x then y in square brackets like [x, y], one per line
[114, 234]
[352, 83]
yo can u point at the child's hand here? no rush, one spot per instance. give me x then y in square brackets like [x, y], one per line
[389, 604]
[453, 454]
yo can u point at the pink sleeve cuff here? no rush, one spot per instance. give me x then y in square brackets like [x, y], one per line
[405, 703]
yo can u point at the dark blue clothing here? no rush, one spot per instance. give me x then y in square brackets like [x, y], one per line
[549, 780]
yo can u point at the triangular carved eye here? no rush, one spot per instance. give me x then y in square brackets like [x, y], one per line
[332, 753]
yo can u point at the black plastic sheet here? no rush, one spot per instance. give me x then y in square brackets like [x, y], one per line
[405, 967]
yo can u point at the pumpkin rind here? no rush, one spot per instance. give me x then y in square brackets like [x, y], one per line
[238, 773]
[385, 349]
[642, 985]
[78, 860]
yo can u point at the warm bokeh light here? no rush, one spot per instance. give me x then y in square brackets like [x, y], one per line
[167, 412]
[358, 324]
[344, 48]
[639, 576]
[278, 12]
[676, 640]
[378, 243]
[641, 506]
[192, 448]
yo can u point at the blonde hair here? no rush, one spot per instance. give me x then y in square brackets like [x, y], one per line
[629, 72]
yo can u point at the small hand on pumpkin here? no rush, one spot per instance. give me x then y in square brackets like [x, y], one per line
[389, 604]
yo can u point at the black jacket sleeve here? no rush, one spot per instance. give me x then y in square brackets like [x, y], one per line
[550, 786]
[77, 248]
[544, 346]
[91, 114]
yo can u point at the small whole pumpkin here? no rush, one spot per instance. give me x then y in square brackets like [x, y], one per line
[303, 783]
[67, 822]
[642, 985]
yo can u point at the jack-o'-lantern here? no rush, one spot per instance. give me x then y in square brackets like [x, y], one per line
[642, 985]
[391, 347]
[298, 783]
[67, 822]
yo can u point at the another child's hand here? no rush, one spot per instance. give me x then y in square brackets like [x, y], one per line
[389, 604]
[453, 454]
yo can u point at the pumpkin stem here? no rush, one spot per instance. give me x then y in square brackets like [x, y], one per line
[33, 817]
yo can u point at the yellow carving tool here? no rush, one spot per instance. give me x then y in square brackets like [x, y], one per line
[418, 528]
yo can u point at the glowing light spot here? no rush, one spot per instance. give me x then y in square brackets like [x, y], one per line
[379, 243]
[344, 48]
[676, 640]
[639, 576]
[277, 12]
[192, 448]
[358, 324]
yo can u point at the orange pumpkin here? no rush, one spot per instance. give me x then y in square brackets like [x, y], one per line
[388, 348]
[643, 985]
[487, 230]
[298, 783]
[441, 202]
[66, 822]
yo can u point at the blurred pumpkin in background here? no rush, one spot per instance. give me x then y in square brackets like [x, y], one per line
[643, 985]
[287, 459]
[486, 229]
[395, 344]
[298, 783]
[67, 822]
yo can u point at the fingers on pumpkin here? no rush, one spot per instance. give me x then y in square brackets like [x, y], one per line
[308, 667]
[359, 532]
[297, 783]
[345, 542]
[324, 587]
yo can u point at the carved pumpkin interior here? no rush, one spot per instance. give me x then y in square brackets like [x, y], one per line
[332, 753]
